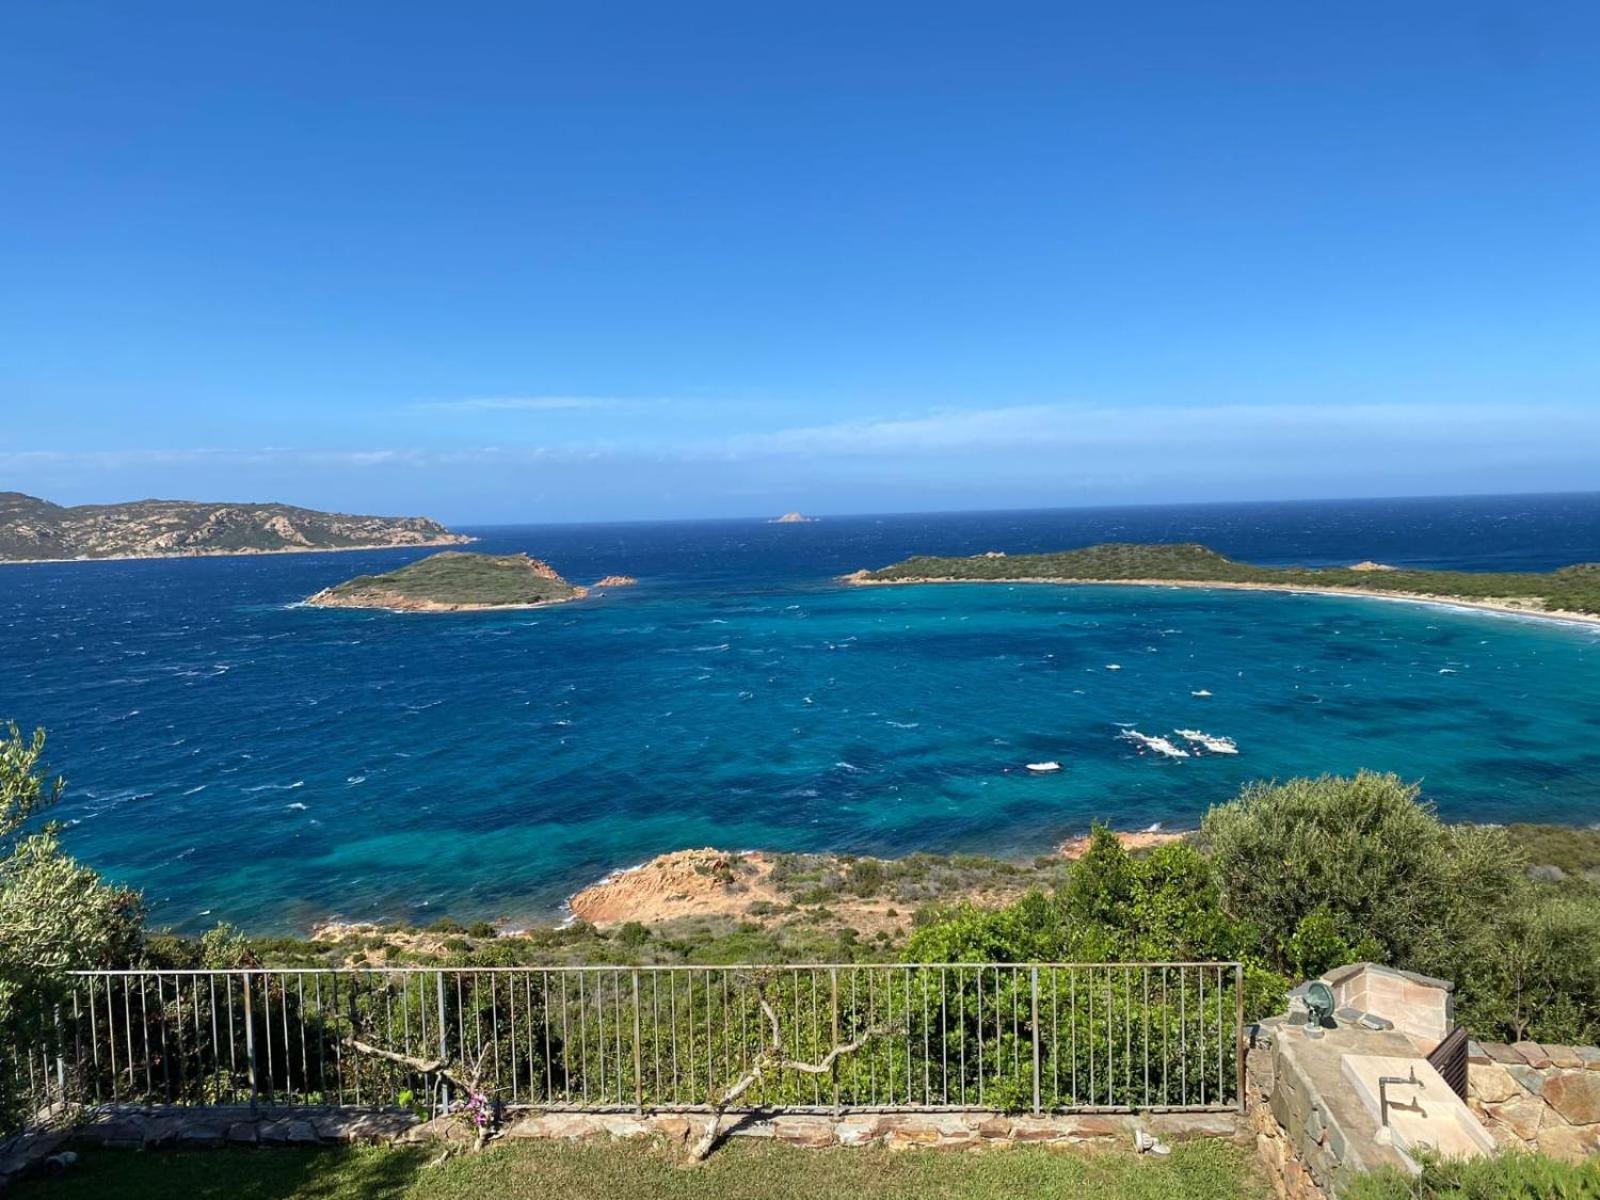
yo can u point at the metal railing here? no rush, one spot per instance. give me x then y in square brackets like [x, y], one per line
[1046, 1037]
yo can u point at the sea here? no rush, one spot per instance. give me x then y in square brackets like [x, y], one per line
[240, 757]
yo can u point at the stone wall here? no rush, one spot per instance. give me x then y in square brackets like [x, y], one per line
[141, 1128]
[1538, 1097]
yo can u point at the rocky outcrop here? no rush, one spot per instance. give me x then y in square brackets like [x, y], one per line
[615, 581]
[32, 530]
[793, 518]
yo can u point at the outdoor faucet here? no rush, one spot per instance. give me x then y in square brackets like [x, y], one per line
[1383, 1095]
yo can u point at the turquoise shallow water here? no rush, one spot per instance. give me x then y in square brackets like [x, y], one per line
[241, 758]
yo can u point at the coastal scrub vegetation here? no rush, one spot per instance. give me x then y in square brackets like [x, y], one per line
[1505, 1177]
[1570, 589]
[1292, 879]
[455, 577]
[55, 914]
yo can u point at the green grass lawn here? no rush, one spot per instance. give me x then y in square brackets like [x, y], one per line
[1200, 1170]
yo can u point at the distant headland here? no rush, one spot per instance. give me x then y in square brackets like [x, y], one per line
[1570, 594]
[453, 581]
[35, 530]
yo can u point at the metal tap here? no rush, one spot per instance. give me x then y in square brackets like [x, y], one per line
[1384, 1103]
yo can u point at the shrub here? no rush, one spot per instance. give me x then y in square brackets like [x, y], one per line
[1365, 853]
[866, 876]
[1505, 1177]
[55, 914]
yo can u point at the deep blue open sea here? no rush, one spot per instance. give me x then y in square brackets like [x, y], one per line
[238, 757]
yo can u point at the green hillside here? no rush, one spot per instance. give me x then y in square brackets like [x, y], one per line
[456, 579]
[1571, 589]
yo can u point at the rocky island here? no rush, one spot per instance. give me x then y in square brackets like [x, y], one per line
[1571, 593]
[792, 518]
[35, 530]
[454, 581]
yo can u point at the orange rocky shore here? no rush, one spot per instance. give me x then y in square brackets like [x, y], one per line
[690, 884]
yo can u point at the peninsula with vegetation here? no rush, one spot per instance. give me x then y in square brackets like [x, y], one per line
[454, 581]
[1571, 593]
[35, 530]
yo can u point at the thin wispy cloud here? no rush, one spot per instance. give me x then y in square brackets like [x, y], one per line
[1193, 431]
[1062, 441]
[519, 404]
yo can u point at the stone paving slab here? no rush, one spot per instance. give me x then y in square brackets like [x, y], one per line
[1533, 1054]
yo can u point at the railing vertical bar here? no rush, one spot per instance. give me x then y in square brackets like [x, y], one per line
[250, 1043]
[549, 1057]
[1183, 1035]
[1238, 1034]
[1111, 1035]
[978, 1024]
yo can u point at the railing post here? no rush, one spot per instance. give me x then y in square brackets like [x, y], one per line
[250, 1042]
[61, 1061]
[1238, 1027]
[1034, 984]
[833, 975]
[638, 1051]
[444, 1048]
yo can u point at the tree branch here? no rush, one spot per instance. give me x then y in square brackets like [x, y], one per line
[772, 1057]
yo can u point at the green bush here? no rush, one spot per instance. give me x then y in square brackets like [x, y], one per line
[1363, 855]
[56, 915]
[1506, 1177]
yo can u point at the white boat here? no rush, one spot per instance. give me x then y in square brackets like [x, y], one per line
[1043, 768]
[1113, 666]
[1160, 745]
[1201, 692]
[1210, 742]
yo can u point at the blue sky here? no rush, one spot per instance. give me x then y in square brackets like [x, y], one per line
[500, 262]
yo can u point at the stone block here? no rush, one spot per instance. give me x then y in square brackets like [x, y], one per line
[1522, 1115]
[200, 1134]
[1475, 1054]
[1039, 1129]
[903, 1135]
[1491, 1083]
[1568, 1142]
[674, 1129]
[1182, 1127]
[1563, 1056]
[1501, 1053]
[242, 1133]
[1533, 1054]
[814, 1132]
[128, 1133]
[1315, 1127]
[1530, 1079]
[1575, 1095]
[862, 1130]
[1096, 1125]
[995, 1128]
[1590, 1057]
